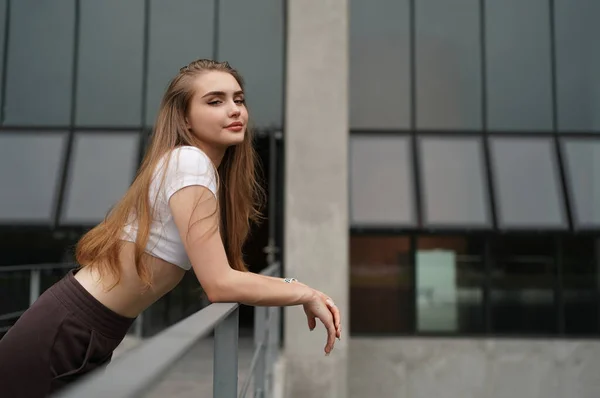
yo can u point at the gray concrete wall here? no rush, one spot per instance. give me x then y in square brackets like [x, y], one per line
[316, 195]
[473, 368]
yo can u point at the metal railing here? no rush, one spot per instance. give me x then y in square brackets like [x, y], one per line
[136, 372]
[35, 271]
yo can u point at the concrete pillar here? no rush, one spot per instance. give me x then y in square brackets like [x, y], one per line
[316, 195]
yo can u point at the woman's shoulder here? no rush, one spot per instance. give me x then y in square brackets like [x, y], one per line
[188, 151]
[187, 157]
[188, 165]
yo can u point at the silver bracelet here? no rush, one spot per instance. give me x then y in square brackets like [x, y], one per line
[290, 280]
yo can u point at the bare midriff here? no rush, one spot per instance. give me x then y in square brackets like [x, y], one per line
[129, 297]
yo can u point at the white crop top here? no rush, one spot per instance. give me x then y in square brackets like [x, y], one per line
[187, 166]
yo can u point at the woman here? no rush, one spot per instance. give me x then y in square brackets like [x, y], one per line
[189, 207]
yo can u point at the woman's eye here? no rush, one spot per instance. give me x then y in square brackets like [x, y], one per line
[240, 101]
[216, 102]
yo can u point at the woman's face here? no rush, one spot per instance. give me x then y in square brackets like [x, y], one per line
[217, 113]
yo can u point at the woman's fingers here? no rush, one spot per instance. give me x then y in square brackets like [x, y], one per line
[331, 334]
[312, 322]
[336, 316]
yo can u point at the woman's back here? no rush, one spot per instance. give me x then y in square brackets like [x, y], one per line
[129, 297]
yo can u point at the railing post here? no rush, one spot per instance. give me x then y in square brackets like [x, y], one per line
[139, 326]
[272, 345]
[34, 285]
[225, 371]
[260, 328]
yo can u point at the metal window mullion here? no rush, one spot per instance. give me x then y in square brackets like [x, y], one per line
[60, 197]
[413, 314]
[487, 285]
[144, 108]
[559, 285]
[416, 161]
[567, 202]
[216, 23]
[5, 47]
[484, 118]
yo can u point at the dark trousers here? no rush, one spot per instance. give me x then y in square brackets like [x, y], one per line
[65, 334]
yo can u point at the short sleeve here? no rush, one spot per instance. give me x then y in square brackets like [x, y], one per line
[189, 166]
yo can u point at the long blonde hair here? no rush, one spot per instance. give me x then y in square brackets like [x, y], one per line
[240, 194]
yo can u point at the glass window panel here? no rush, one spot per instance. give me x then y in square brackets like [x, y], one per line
[448, 64]
[518, 65]
[381, 182]
[582, 163]
[581, 285]
[109, 81]
[454, 183]
[34, 161]
[449, 284]
[379, 64]
[251, 38]
[528, 192]
[40, 62]
[380, 284]
[523, 282]
[102, 168]
[577, 64]
[189, 23]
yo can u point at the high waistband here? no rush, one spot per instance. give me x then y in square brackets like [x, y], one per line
[88, 309]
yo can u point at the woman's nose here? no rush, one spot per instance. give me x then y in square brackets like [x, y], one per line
[234, 109]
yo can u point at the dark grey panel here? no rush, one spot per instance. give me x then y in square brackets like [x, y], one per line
[251, 39]
[448, 64]
[381, 184]
[31, 165]
[2, 35]
[40, 59]
[518, 65]
[578, 64]
[379, 64]
[453, 181]
[190, 24]
[527, 185]
[109, 84]
[582, 162]
[102, 168]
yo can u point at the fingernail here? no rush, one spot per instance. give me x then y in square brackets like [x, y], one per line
[328, 301]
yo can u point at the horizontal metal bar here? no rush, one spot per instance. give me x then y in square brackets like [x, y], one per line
[82, 129]
[137, 371]
[11, 315]
[31, 267]
[391, 231]
[471, 133]
[259, 132]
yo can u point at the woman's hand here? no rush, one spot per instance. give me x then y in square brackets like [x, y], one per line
[321, 306]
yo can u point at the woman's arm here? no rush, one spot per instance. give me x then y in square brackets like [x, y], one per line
[194, 213]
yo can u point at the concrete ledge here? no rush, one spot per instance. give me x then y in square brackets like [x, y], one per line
[473, 368]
